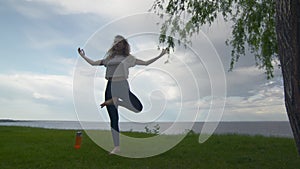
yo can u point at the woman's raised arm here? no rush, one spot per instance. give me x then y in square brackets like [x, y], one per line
[90, 61]
[148, 62]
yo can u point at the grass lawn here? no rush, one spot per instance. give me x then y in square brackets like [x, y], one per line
[34, 148]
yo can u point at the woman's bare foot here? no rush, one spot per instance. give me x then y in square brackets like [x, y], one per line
[112, 101]
[115, 150]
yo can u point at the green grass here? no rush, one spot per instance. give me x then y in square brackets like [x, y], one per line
[34, 148]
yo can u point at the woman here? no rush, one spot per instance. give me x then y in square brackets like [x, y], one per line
[117, 93]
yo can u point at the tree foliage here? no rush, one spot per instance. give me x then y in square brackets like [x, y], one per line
[253, 25]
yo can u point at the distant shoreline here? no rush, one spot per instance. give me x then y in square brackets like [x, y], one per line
[265, 128]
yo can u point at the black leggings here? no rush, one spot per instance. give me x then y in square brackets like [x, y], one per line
[120, 90]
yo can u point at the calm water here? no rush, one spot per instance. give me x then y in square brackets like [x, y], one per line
[280, 129]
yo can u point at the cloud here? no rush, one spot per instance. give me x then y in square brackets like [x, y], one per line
[265, 103]
[30, 9]
[54, 26]
[46, 97]
[34, 96]
[111, 8]
[47, 38]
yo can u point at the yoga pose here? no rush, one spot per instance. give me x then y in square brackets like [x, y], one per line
[118, 60]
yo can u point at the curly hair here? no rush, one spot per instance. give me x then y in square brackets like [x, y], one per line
[125, 51]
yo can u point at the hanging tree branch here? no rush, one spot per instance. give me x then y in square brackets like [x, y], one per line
[253, 25]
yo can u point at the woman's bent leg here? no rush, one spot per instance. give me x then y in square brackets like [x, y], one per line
[131, 102]
[126, 98]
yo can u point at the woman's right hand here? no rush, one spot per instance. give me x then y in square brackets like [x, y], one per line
[81, 52]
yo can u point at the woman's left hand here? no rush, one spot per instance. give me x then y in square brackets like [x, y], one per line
[81, 52]
[164, 51]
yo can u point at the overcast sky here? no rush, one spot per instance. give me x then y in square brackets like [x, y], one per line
[40, 66]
